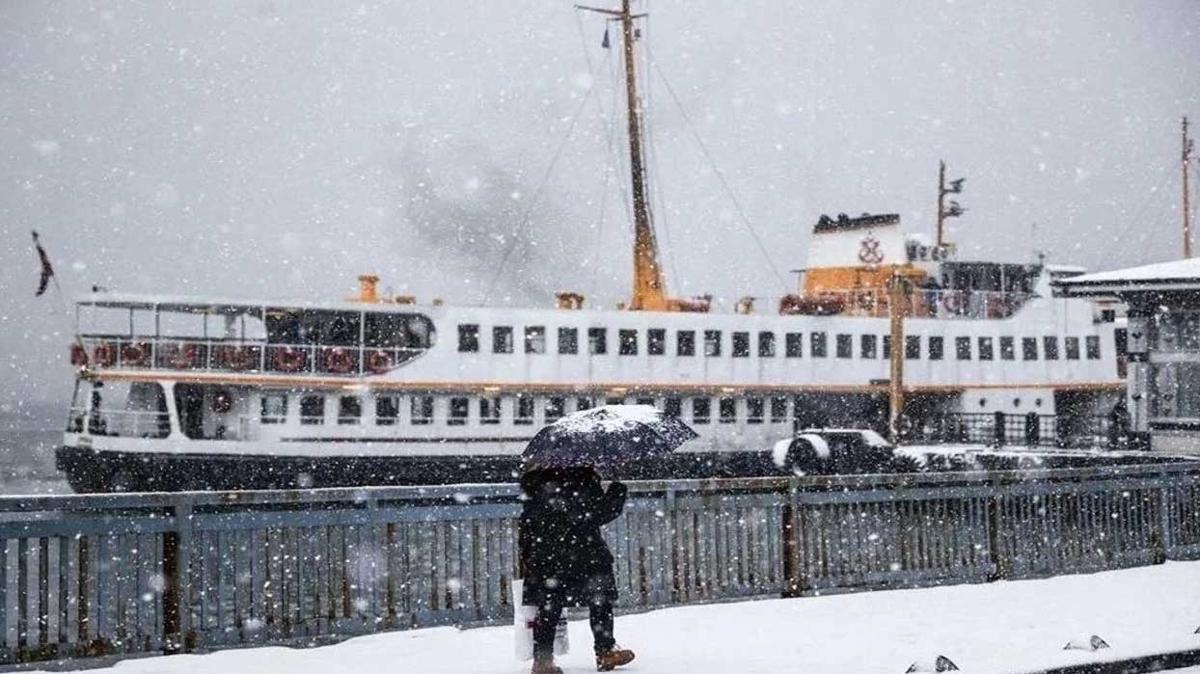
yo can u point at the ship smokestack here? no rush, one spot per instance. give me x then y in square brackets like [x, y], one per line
[367, 288]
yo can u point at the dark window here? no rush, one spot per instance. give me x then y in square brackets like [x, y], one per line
[685, 343]
[962, 348]
[489, 411]
[554, 409]
[986, 349]
[349, 410]
[502, 339]
[1008, 349]
[273, 409]
[458, 412]
[818, 344]
[525, 411]
[597, 341]
[645, 401]
[568, 341]
[389, 331]
[421, 410]
[793, 345]
[656, 341]
[754, 410]
[701, 410]
[1050, 347]
[613, 400]
[728, 410]
[779, 409]
[766, 345]
[1093, 347]
[672, 407]
[912, 347]
[937, 347]
[535, 339]
[312, 410]
[583, 404]
[712, 342]
[868, 346]
[741, 345]
[468, 338]
[887, 347]
[845, 346]
[387, 410]
[1029, 348]
[628, 342]
[1072, 344]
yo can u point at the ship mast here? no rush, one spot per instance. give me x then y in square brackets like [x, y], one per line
[1187, 210]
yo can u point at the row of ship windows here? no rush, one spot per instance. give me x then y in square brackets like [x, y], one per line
[520, 411]
[869, 346]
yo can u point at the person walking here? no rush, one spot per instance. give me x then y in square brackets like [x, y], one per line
[566, 561]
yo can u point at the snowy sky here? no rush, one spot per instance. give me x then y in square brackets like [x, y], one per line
[275, 149]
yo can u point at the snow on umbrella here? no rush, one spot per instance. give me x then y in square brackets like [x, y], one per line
[606, 436]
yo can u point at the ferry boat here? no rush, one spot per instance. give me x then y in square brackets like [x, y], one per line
[185, 392]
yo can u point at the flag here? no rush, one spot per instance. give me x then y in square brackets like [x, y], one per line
[47, 270]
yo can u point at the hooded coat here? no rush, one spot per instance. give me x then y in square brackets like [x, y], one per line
[563, 554]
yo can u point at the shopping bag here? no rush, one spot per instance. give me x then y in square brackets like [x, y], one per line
[523, 617]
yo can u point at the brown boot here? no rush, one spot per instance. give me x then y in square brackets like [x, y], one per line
[606, 661]
[545, 666]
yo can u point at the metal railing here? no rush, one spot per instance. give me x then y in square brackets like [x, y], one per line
[1020, 430]
[920, 303]
[216, 355]
[120, 423]
[155, 573]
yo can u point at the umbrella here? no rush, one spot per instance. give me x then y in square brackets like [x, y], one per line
[604, 437]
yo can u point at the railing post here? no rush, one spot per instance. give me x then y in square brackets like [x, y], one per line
[995, 520]
[793, 583]
[176, 597]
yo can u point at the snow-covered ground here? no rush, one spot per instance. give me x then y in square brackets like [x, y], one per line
[999, 627]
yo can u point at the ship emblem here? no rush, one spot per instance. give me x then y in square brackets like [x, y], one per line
[870, 251]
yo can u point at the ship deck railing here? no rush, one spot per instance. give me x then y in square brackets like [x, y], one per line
[918, 303]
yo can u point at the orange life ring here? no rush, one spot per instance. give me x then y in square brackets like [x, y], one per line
[379, 361]
[338, 361]
[954, 301]
[78, 355]
[289, 359]
[136, 354]
[235, 357]
[104, 354]
[181, 356]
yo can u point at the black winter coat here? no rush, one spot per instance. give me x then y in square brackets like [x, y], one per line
[564, 558]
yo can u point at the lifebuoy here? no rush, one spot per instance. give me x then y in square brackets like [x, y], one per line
[954, 301]
[379, 362]
[235, 357]
[338, 361]
[135, 354]
[222, 401]
[78, 355]
[289, 359]
[181, 356]
[865, 300]
[104, 354]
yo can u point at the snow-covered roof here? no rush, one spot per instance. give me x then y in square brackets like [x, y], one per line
[1161, 276]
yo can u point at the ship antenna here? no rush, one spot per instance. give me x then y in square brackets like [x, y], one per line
[1187, 210]
[649, 288]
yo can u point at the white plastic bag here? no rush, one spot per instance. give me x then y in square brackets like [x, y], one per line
[523, 617]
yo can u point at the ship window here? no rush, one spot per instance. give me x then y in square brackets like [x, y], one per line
[613, 400]
[793, 345]
[387, 410]
[986, 349]
[330, 328]
[937, 347]
[887, 347]
[818, 344]
[1029, 348]
[349, 410]
[468, 338]
[535, 339]
[489, 411]
[701, 410]
[628, 342]
[673, 407]
[525, 411]
[1072, 347]
[912, 347]
[766, 345]
[712, 342]
[274, 408]
[459, 410]
[754, 410]
[568, 340]
[685, 343]
[1050, 347]
[845, 346]
[868, 346]
[1008, 350]
[555, 408]
[656, 341]
[779, 409]
[962, 348]
[728, 410]
[583, 404]
[1093, 347]
[312, 410]
[502, 339]
[392, 331]
[597, 341]
[421, 410]
[646, 401]
[741, 345]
